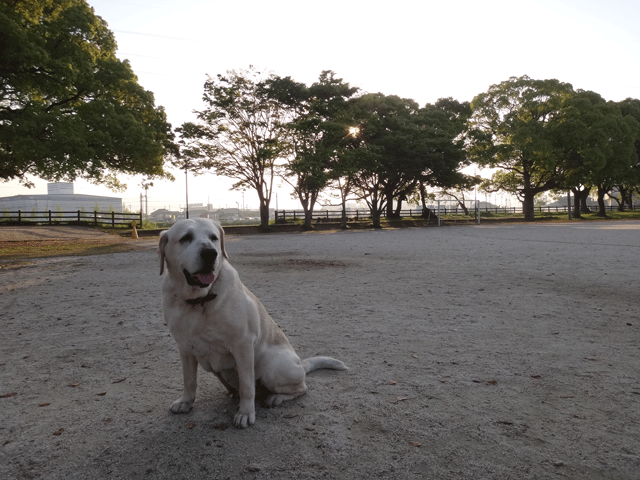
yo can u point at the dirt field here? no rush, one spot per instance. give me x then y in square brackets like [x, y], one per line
[507, 352]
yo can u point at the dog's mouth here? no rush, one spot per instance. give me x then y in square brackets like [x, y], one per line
[201, 279]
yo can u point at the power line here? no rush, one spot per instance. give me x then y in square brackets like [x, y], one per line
[146, 5]
[155, 35]
[143, 56]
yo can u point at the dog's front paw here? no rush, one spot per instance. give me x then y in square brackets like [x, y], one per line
[181, 406]
[243, 421]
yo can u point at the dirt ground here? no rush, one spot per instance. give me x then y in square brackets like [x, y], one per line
[478, 352]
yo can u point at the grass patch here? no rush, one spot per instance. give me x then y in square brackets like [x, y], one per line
[13, 251]
[561, 216]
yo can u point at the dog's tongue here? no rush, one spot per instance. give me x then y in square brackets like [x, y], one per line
[205, 278]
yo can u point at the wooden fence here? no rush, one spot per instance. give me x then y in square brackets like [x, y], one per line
[283, 216]
[50, 217]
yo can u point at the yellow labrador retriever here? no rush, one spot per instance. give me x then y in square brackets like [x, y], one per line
[221, 326]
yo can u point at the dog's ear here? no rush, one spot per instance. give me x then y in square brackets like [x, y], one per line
[164, 238]
[224, 252]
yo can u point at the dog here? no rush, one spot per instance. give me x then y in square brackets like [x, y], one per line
[221, 326]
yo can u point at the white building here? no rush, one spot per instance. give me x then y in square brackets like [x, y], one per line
[60, 198]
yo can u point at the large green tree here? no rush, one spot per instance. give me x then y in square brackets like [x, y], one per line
[509, 130]
[315, 130]
[630, 107]
[68, 107]
[240, 133]
[442, 126]
[384, 149]
[595, 146]
[400, 147]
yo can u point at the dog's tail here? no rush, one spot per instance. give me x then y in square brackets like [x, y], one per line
[314, 363]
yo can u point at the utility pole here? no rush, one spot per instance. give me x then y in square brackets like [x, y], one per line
[186, 187]
[146, 186]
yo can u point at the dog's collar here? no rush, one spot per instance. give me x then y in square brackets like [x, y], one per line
[202, 300]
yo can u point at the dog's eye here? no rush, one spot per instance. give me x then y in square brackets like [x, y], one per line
[213, 238]
[187, 238]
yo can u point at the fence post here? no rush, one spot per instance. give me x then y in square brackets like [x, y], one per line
[140, 218]
[78, 216]
[19, 216]
[439, 220]
[50, 222]
[113, 219]
[95, 217]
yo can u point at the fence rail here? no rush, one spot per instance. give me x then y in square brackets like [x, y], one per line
[50, 217]
[283, 216]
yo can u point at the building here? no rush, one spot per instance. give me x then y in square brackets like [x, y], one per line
[60, 198]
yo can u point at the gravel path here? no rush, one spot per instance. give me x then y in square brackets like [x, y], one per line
[479, 352]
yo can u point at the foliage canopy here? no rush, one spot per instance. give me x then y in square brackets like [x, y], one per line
[68, 107]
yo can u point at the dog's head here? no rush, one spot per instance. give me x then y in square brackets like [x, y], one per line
[193, 251]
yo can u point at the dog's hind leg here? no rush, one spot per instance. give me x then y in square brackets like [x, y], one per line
[285, 379]
[278, 398]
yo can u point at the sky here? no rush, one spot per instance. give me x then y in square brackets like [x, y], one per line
[423, 50]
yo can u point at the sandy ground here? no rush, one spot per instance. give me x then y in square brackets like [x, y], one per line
[507, 352]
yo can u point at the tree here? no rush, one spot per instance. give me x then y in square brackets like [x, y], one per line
[630, 107]
[240, 134]
[384, 156]
[618, 136]
[400, 148]
[595, 144]
[315, 132]
[68, 107]
[442, 126]
[509, 130]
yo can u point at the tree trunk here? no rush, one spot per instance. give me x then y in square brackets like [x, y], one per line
[623, 198]
[376, 210]
[343, 220]
[426, 211]
[389, 197]
[584, 196]
[463, 206]
[398, 211]
[528, 206]
[376, 215]
[308, 217]
[344, 194]
[602, 209]
[307, 206]
[264, 214]
[429, 214]
[576, 203]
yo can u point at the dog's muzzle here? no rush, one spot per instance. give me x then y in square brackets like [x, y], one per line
[205, 276]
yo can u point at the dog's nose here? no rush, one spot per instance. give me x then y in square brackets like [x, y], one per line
[209, 255]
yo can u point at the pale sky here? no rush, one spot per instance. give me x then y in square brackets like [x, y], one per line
[422, 50]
